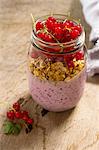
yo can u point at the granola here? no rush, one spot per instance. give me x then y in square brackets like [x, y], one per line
[55, 71]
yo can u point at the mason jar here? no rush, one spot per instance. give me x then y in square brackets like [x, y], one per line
[57, 71]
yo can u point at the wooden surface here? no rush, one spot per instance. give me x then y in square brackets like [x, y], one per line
[77, 129]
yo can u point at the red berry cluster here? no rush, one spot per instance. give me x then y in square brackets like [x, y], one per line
[69, 58]
[53, 30]
[17, 113]
[63, 31]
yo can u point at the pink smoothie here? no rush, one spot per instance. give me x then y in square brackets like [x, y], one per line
[58, 96]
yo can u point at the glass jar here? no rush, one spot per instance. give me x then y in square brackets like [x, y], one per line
[57, 71]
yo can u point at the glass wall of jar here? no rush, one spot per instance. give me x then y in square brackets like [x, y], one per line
[57, 71]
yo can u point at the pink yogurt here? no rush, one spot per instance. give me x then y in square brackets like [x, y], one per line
[58, 96]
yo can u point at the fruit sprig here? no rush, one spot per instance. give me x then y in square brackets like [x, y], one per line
[43, 32]
[17, 118]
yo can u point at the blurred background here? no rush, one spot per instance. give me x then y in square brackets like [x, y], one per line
[15, 31]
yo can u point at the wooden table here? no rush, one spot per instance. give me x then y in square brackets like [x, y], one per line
[76, 129]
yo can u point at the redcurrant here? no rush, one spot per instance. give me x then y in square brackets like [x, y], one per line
[25, 113]
[30, 121]
[70, 64]
[68, 24]
[25, 118]
[51, 19]
[58, 24]
[16, 106]
[58, 33]
[79, 55]
[79, 28]
[39, 25]
[66, 36]
[69, 57]
[34, 55]
[58, 30]
[41, 35]
[10, 114]
[50, 25]
[18, 114]
[74, 34]
[48, 38]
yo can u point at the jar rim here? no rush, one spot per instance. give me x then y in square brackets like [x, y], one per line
[55, 44]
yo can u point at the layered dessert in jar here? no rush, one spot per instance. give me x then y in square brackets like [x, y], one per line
[57, 62]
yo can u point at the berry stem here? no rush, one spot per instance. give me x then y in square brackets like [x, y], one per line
[25, 124]
[51, 35]
[54, 39]
[68, 29]
[11, 108]
[51, 14]
[24, 102]
[33, 20]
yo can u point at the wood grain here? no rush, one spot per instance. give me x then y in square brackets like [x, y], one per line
[76, 129]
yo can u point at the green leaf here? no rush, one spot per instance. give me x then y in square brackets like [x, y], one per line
[8, 127]
[16, 129]
[18, 126]
[11, 128]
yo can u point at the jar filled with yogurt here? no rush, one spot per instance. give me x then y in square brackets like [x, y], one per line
[57, 62]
